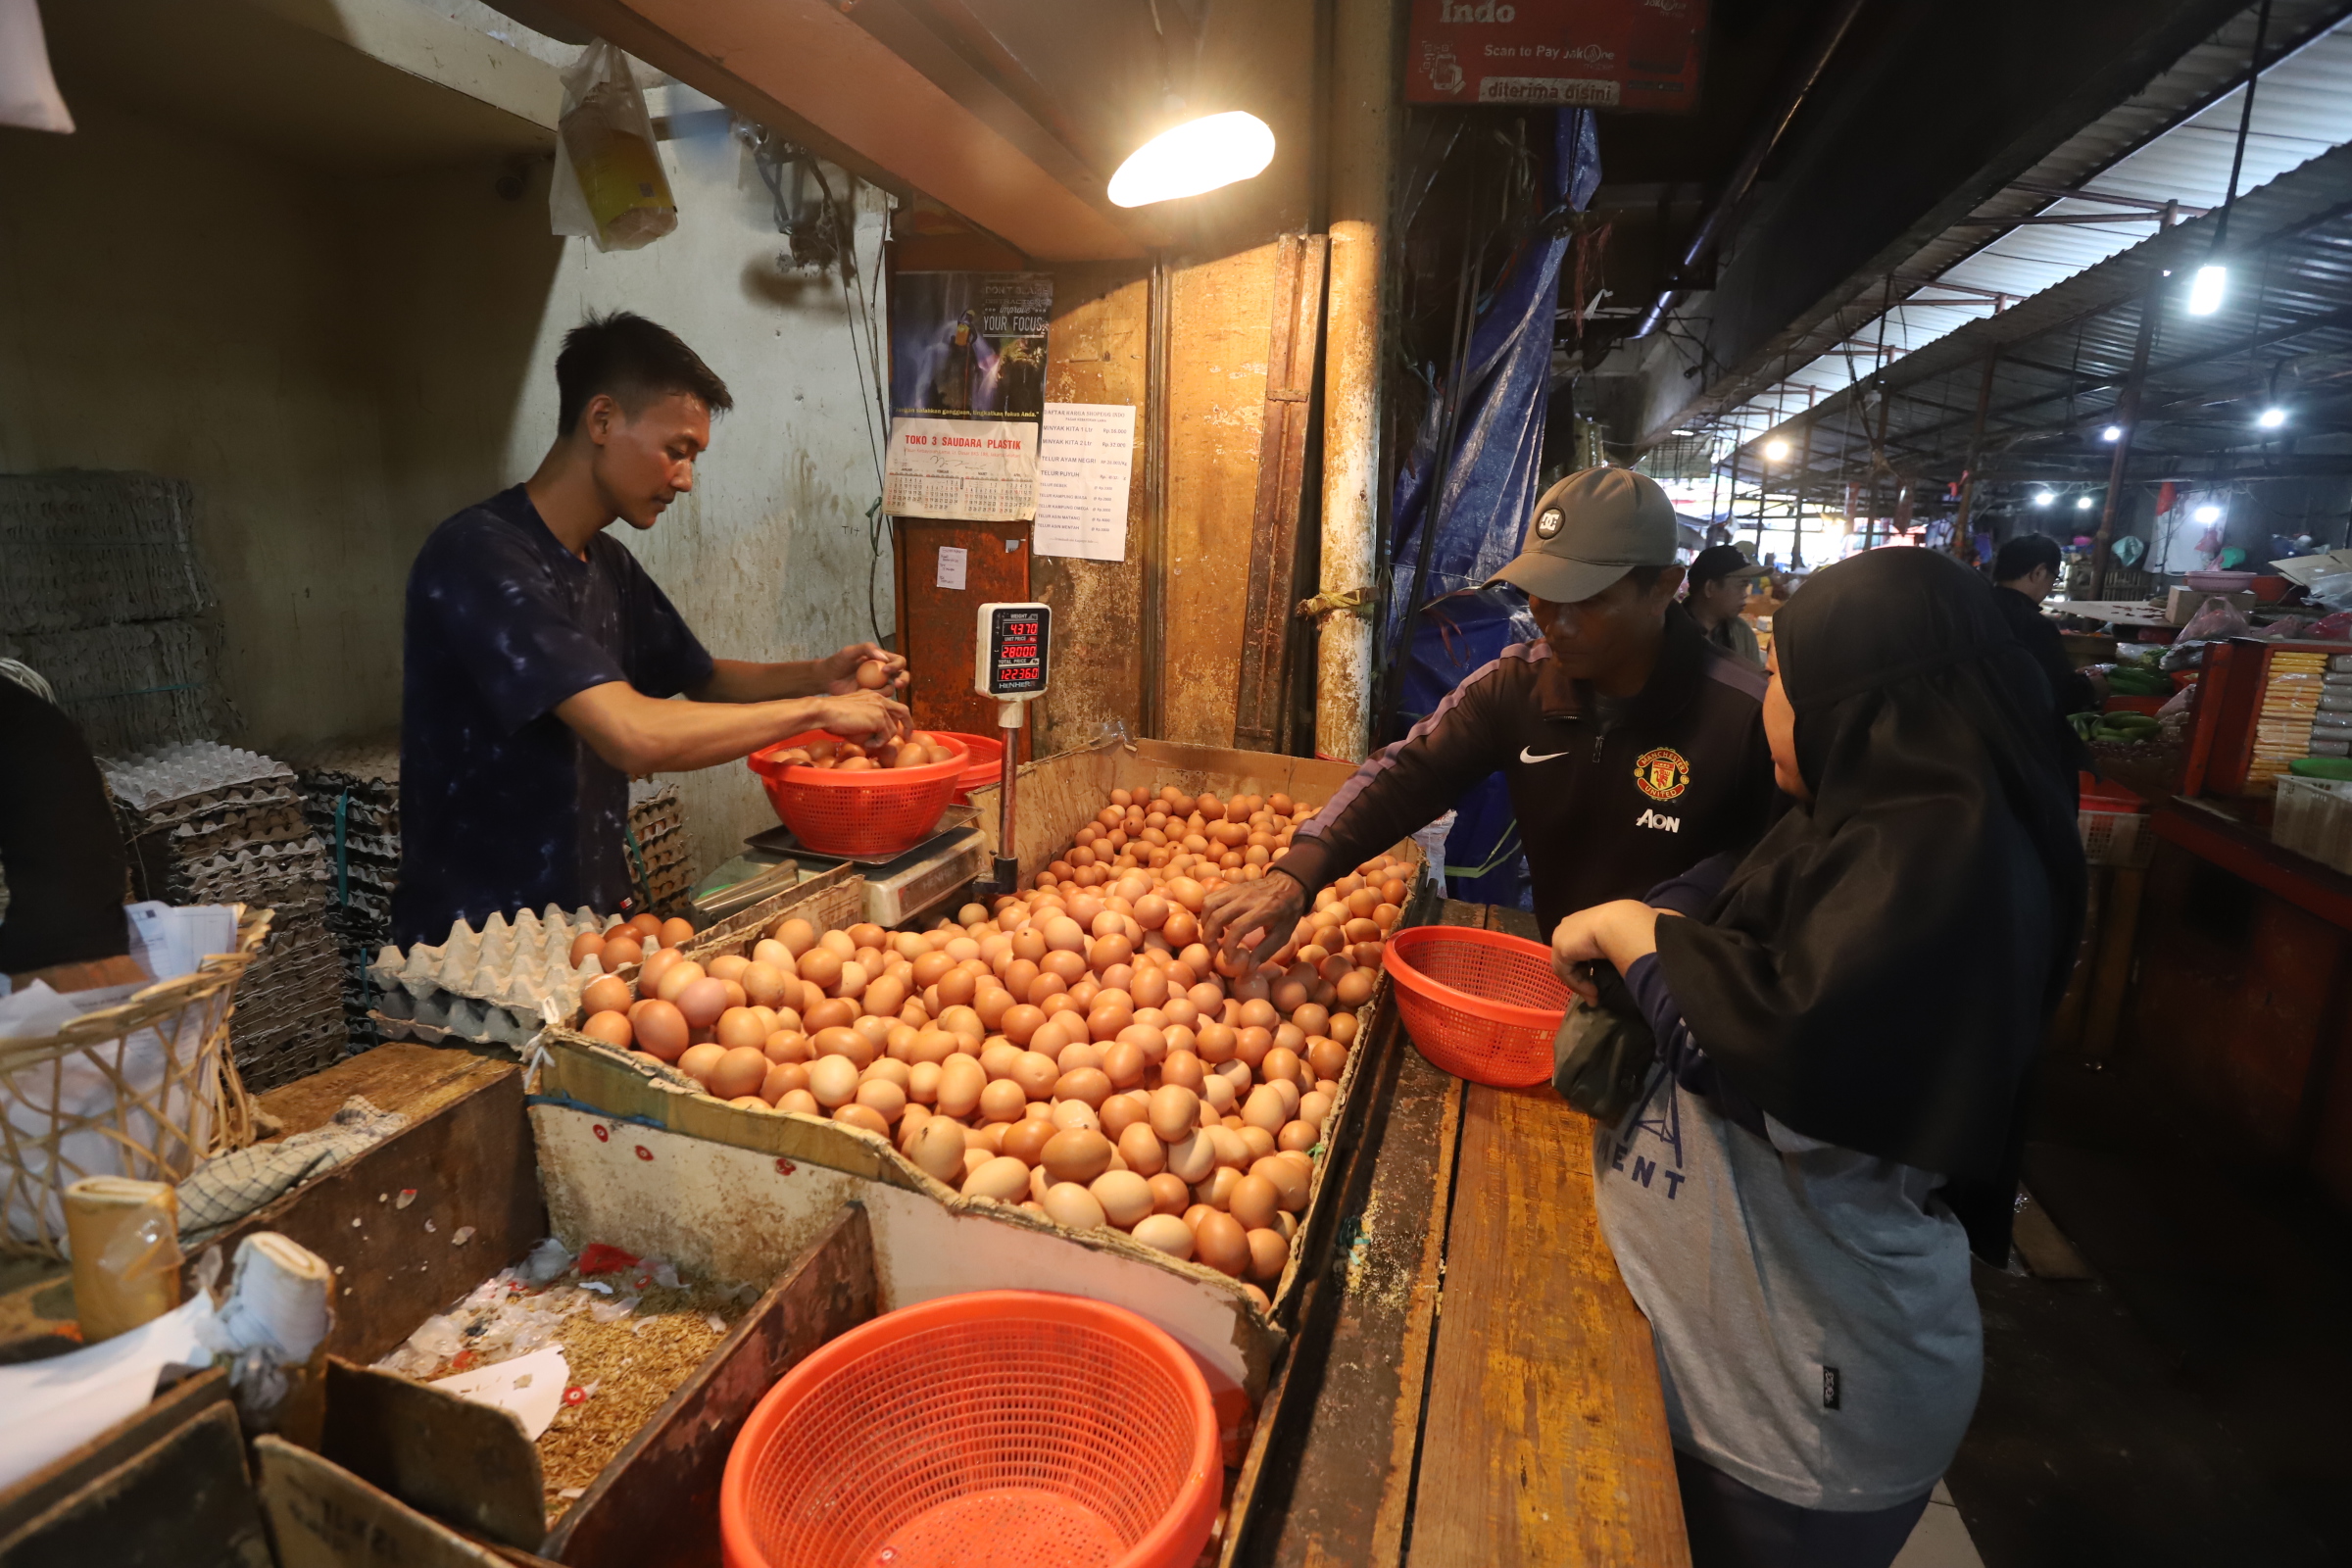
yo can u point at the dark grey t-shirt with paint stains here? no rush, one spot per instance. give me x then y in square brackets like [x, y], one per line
[503, 807]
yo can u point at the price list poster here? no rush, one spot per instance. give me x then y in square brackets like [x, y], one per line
[967, 393]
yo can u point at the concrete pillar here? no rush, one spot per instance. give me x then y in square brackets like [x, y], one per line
[1363, 90]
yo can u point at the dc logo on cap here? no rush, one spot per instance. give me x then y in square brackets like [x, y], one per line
[1548, 525]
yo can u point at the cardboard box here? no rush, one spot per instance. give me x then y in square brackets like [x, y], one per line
[2180, 604]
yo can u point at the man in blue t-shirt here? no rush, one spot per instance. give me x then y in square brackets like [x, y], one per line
[539, 655]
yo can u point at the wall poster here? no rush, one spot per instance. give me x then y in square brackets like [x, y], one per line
[1587, 53]
[968, 394]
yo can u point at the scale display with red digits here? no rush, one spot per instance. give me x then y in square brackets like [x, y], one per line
[1011, 658]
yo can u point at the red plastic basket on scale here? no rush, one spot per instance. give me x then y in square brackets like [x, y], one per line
[866, 812]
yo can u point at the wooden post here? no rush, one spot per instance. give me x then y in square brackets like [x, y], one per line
[1261, 704]
[2126, 416]
[1975, 449]
[1796, 521]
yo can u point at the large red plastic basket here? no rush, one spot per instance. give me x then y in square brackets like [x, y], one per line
[1000, 1428]
[879, 812]
[988, 763]
[1478, 1003]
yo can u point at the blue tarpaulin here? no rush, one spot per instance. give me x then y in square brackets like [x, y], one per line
[1489, 488]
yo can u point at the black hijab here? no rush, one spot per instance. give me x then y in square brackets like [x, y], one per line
[1879, 970]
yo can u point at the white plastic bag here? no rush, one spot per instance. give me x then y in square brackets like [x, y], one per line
[28, 95]
[608, 183]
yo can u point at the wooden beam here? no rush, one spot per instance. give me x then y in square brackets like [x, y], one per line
[1267, 624]
[806, 70]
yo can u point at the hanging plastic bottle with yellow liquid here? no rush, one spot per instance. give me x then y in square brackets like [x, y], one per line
[606, 149]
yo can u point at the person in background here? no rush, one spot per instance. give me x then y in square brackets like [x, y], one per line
[60, 853]
[2024, 571]
[1631, 747]
[538, 654]
[1720, 578]
[1837, 1113]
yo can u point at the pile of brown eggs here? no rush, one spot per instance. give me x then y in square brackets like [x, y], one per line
[629, 942]
[852, 757]
[1076, 1050]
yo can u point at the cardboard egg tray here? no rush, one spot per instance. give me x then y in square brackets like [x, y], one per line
[490, 986]
[209, 823]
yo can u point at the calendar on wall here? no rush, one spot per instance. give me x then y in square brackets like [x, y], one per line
[967, 393]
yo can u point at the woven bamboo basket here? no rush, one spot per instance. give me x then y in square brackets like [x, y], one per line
[145, 1088]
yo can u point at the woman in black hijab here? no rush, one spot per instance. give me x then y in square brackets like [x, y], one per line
[1847, 1021]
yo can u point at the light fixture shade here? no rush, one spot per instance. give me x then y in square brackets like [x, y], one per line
[2205, 291]
[1200, 155]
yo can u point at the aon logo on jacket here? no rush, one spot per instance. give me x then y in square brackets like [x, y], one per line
[1659, 820]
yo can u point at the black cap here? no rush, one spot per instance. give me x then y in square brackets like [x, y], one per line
[1719, 562]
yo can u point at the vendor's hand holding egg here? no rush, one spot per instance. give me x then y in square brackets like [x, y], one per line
[865, 667]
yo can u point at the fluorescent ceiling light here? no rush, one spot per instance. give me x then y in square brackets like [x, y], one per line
[2205, 291]
[1200, 155]
[2271, 418]
[2209, 514]
[1776, 449]
[2114, 432]
[2042, 497]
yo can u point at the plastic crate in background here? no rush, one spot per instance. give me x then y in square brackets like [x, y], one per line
[2114, 823]
[2313, 818]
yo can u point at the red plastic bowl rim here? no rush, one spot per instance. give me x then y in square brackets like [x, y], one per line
[906, 1322]
[1397, 959]
[763, 762]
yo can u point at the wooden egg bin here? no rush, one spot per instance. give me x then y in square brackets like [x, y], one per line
[634, 1152]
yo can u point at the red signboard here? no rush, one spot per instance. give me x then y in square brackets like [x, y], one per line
[1594, 53]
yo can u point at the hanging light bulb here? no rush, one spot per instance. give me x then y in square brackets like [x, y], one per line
[2042, 497]
[2271, 419]
[2209, 514]
[2205, 291]
[1200, 155]
[2083, 503]
[2113, 433]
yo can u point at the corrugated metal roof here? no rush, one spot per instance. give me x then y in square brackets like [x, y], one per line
[2283, 337]
[2172, 142]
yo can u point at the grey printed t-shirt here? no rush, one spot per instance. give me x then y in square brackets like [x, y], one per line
[1816, 1329]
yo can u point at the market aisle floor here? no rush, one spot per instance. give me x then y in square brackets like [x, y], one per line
[1940, 1540]
[2183, 1403]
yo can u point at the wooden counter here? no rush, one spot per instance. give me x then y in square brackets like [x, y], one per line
[2241, 990]
[1470, 1381]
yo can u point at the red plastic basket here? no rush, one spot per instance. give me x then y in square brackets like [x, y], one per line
[1480, 1005]
[1000, 1428]
[988, 763]
[881, 812]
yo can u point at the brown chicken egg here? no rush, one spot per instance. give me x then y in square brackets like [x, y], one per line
[612, 1028]
[740, 1070]
[661, 1029]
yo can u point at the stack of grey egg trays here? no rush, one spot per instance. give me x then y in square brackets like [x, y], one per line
[496, 986]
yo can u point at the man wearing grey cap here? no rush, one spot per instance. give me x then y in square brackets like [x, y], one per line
[1633, 749]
